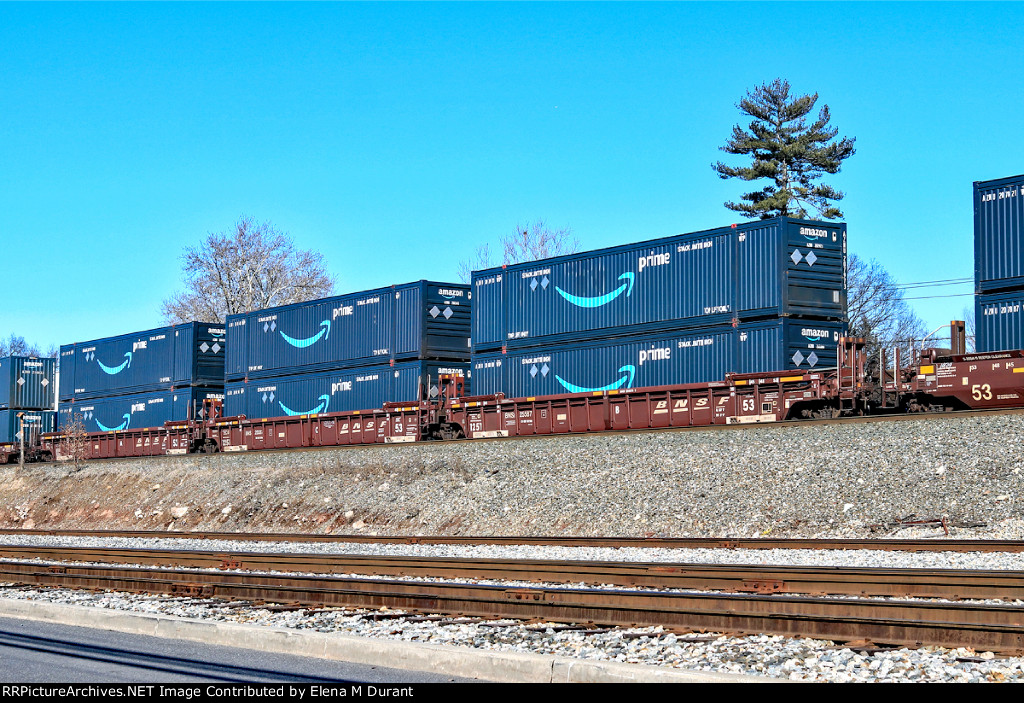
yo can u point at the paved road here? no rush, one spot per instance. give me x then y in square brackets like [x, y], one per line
[38, 652]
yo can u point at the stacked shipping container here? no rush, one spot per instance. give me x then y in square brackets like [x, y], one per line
[751, 297]
[27, 387]
[348, 352]
[142, 379]
[999, 263]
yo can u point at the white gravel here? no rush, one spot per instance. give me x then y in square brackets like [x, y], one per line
[773, 656]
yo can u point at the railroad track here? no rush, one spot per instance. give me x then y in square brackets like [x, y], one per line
[998, 628]
[905, 545]
[953, 584]
[995, 627]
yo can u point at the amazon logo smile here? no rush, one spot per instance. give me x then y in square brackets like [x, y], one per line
[325, 400]
[123, 426]
[625, 381]
[116, 369]
[325, 332]
[598, 301]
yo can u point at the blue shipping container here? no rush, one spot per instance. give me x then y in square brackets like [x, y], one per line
[999, 234]
[422, 320]
[999, 321]
[769, 268]
[190, 354]
[366, 388]
[27, 382]
[137, 410]
[36, 421]
[658, 360]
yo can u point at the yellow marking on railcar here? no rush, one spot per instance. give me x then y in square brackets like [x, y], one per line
[925, 370]
[741, 383]
[791, 378]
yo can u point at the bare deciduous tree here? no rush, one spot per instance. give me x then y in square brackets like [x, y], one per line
[255, 266]
[17, 346]
[74, 441]
[530, 243]
[878, 312]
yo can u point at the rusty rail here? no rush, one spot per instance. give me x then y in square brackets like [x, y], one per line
[997, 628]
[952, 584]
[907, 545]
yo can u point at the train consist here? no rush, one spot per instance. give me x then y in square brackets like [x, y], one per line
[743, 324]
[937, 381]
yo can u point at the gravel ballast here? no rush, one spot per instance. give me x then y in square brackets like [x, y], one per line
[760, 655]
[842, 480]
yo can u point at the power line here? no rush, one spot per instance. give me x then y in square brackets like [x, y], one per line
[938, 281]
[950, 295]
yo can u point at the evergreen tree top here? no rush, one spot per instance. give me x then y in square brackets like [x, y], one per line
[792, 154]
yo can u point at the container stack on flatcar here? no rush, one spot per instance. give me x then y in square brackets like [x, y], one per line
[350, 352]
[999, 263]
[758, 296]
[27, 387]
[143, 379]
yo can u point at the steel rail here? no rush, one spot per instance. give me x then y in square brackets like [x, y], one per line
[905, 545]
[953, 584]
[986, 627]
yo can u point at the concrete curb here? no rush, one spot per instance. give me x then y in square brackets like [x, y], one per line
[510, 667]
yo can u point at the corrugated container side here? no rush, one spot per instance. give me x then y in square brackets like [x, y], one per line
[137, 410]
[162, 358]
[597, 366]
[749, 271]
[406, 339]
[999, 234]
[236, 359]
[787, 344]
[488, 322]
[810, 260]
[999, 321]
[199, 354]
[365, 388]
[673, 358]
[27, 382]
[37, 421]
[447, 322]
[421, 320]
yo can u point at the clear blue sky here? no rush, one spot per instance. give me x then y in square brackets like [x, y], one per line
[395, 138]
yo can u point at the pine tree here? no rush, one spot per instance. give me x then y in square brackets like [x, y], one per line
[789, 152]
